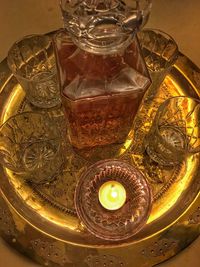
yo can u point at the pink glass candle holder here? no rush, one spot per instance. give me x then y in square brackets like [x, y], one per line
[113, 200]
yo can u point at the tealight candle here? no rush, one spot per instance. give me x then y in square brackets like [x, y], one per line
[112, 195]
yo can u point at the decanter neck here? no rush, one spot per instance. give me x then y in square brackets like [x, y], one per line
[104, 45]
[104, 26]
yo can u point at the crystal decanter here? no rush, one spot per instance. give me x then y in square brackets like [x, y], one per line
[103, 76]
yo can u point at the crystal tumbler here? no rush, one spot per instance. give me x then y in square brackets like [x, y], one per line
[32, 62]
[31, 145]
[160, 52]
[175, 133]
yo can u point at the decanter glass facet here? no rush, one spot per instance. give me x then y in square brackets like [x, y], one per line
[103, 76]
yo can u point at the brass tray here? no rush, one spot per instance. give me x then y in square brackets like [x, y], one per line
[41, 221]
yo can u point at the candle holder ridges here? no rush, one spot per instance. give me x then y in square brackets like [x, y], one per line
[113, 225]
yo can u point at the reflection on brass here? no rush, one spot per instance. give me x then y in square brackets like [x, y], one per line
[41, 220]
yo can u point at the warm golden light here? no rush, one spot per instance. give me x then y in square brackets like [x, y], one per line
[112, 195]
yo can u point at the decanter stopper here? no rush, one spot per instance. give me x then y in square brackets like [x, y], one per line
[95, 24]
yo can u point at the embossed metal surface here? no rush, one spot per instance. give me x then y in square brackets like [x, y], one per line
[41, 220]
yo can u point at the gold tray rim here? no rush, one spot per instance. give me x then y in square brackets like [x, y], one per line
[193, 77]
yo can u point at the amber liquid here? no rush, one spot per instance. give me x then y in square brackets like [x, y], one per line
[105, 118]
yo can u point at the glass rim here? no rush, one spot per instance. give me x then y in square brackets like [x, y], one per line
[43, 115]
[157, 30]
[27, 37]
[164, 34]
